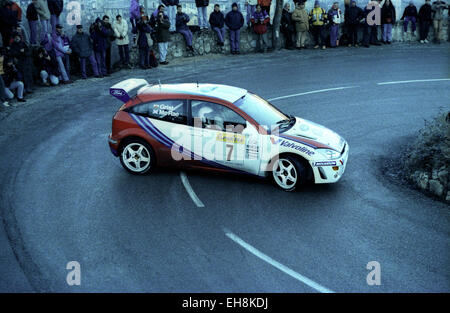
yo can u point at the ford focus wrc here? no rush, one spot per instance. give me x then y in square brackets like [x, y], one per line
[220, 128]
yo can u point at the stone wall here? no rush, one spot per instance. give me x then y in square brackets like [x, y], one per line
[206, 42]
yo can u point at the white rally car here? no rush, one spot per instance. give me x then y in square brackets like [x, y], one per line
[221, 128]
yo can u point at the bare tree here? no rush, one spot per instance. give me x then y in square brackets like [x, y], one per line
[276, 24]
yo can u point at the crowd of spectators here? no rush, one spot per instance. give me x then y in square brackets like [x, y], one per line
[48, 57]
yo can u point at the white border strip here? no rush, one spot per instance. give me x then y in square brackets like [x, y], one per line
[191, 191]
[276, 264]
[310, 92]
[413, 81]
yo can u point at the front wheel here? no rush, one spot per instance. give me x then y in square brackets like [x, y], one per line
[288, 173]
[137, 157]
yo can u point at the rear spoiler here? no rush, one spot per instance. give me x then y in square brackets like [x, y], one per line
[127, 89]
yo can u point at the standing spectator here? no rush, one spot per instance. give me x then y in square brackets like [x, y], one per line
[318, 18]
[9, 18]
[287, 26]
[251, 8]
[135, 15]
[438, 8]
[3, 96]
[13, 81]
[99, 34]
[111, 37]
[202, 7]
[55, 7]
[335, 17]
[144, 42]
[47, 68]
[33, 18]
[388, 18]
[265, 5]
[181, 26]
[370, 35]
[217, 22]
[62, 51]
[425, 21]
[259, 21]
[154, 16]
[21, 53]
[409, 15]
[83, 47]
[353, 14]
[44, 16]
[171, 6]
[301, 20]
[162, 36]
[121, 32]
[234, 21]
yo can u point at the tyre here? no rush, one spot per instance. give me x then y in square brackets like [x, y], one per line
[137, 156]
[288, 173]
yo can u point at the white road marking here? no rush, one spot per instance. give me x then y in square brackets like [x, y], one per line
[276, 264]
[311, 92]
[191, 191]
[413, 81]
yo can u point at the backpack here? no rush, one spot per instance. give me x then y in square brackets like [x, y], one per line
[153, 60]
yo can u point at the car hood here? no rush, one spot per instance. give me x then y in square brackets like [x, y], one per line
[312, 131]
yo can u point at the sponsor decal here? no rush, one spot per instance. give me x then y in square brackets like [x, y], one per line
[325, 163]
[165, 110]
[231, 138]
[302, 149]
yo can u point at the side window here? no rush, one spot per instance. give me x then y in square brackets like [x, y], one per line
[166, 110]
[215, 116]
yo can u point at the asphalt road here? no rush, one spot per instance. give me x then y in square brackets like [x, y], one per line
[64, 197]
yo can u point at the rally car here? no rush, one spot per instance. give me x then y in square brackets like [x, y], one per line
[220, 128]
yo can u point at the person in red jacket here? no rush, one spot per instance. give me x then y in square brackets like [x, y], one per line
[259, 21]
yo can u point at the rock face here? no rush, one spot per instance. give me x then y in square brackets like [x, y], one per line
[436, 187]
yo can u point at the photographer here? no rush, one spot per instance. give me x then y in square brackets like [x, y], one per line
[162, 26]
[144, 42]
[99, 34]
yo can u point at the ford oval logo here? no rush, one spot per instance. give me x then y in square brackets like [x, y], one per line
[117, 92]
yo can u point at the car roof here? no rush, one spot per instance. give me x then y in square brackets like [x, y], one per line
[224, 92]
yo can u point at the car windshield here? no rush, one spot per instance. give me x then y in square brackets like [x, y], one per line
[264, 113]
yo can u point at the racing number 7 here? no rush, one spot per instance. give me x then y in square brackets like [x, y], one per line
[229, 152]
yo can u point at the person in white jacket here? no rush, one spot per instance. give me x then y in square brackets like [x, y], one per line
[44, 16]
[120, 28]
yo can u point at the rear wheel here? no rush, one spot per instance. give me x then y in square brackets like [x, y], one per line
[137, 156]
[288, 173]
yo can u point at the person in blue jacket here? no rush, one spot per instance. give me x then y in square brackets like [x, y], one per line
[234, 21]
[181, 26]
[99, 34]
[144, 42]
[217, 22]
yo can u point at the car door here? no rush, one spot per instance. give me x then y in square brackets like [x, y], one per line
[223, 137]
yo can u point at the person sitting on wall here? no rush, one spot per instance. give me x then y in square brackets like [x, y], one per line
[181, 26]
[217, 22]
[410, 15]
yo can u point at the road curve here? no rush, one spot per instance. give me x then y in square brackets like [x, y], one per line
[64, 197]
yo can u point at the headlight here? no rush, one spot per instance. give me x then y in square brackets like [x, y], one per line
[329, 154]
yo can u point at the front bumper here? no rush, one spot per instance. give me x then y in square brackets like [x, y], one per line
[113, 145]
[330, 171]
